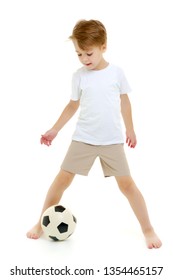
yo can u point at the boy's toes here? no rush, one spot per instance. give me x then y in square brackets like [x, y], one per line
[35, 232]
[152, 240]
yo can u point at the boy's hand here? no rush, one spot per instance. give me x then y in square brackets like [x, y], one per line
[131, 139]
[48, 137]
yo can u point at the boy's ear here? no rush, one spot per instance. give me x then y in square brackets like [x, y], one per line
[104, 47]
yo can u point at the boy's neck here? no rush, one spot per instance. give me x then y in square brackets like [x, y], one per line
[103, 64]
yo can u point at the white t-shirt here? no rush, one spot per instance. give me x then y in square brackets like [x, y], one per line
[99, 121]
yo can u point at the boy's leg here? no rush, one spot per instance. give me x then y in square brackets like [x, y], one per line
[54, 194]
[136, 200]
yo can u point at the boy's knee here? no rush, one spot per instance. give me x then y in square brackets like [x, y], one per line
[125, 184]
[65, 178]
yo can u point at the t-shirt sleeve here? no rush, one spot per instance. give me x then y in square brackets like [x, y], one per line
[124, 84]
[76, 90]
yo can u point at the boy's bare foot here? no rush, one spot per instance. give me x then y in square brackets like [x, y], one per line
[35, 232]
[152, 239]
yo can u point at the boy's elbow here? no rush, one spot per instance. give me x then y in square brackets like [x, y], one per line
[74, 105]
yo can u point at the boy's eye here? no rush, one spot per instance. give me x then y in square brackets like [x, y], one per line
[88, 54]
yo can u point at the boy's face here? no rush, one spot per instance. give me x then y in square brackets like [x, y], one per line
[92, 57]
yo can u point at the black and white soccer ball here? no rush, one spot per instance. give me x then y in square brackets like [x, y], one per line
[58, 223]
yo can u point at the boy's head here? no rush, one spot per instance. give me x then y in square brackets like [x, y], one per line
[89, 33]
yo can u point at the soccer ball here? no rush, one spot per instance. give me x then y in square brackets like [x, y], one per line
[58, 223]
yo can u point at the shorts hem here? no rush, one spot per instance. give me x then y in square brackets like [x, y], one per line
[74, 171]
[117, 175]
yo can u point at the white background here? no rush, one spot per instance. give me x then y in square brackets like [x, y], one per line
[36, 65]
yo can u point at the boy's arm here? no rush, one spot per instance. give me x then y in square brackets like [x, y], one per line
[66, 115]
[127, 117]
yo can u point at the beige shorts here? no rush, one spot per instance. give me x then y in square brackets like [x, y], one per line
[81, 156]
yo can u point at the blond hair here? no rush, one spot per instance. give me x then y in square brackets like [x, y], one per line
[89, 33]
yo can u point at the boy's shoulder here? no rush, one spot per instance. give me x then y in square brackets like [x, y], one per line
[116, 68]
[77, 75]
[78, 72]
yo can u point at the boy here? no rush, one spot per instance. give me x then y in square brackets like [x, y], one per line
[101, 91]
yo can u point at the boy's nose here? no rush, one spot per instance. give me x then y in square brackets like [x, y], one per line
[85, 59]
